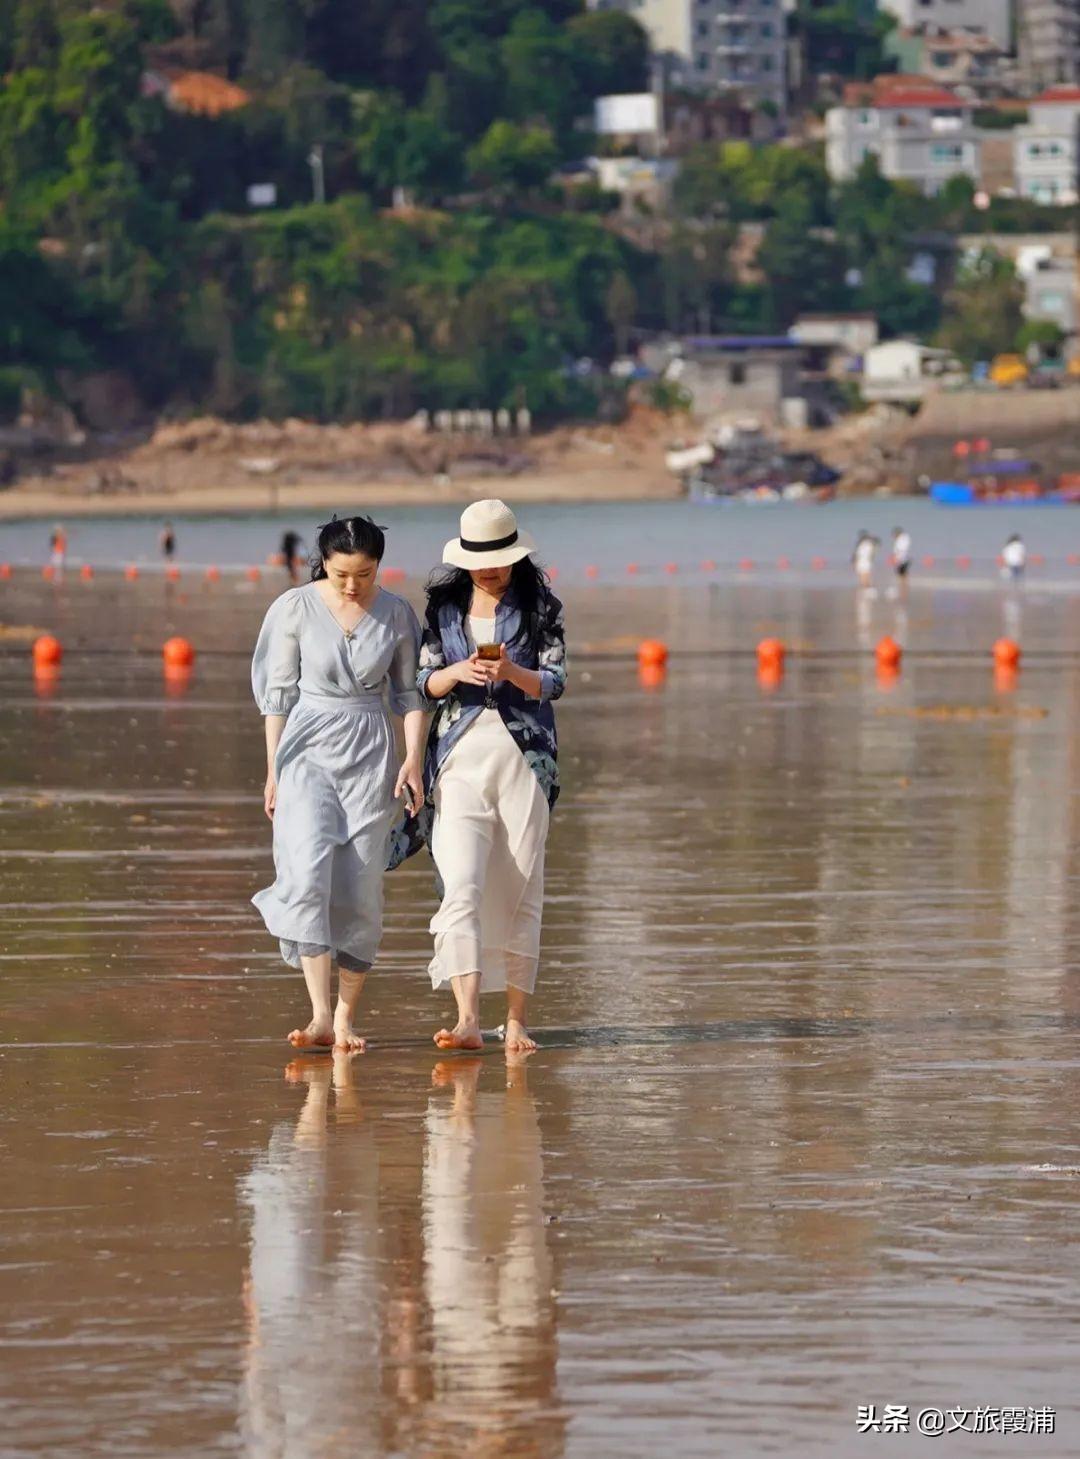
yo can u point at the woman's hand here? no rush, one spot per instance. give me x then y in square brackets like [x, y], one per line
[500, 670]
[473, 670]
[410, 782]
[270, 795]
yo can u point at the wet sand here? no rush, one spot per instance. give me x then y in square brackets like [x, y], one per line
[801, 1135]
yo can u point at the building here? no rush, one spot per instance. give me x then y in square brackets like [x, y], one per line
[735, 377]
[1046, 153]
[970, 61]
[843, 337]
[1048, 40]
[904, 371]
[716, 45]
[1046, 264]
[919, 132]
[990, 17]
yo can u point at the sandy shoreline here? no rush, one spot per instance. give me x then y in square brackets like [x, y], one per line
[36, 501]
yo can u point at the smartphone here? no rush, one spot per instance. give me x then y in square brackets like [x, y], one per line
[489, 650]
[406, 795]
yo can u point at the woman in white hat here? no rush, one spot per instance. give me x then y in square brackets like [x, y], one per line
[493, 657]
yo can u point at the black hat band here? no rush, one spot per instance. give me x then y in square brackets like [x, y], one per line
[497, 545]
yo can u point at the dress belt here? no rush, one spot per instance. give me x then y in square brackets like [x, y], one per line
[343, 703]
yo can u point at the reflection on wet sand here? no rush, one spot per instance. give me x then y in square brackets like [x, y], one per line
[398, 1304]
[487, 1269]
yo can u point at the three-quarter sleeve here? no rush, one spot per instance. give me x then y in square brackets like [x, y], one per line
[275, 668]
[551, 652]
[432, 654]
[404, 692]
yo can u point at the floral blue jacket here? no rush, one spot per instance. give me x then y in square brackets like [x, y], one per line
[531, 722]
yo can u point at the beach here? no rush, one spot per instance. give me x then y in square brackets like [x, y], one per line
[798, 1138]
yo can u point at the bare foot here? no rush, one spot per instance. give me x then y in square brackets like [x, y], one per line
[346, 1039]
[319, 1034]
[517, 1038]
[461, 1036]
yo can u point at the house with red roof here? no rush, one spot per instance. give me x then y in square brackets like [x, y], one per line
[920, 132]
[1046, 151]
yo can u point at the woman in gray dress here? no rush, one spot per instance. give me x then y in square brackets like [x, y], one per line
[331, 655]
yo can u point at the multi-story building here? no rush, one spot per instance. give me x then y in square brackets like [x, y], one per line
[1046, 151]
[970, 60]
[1048, 40]
[716, 45]
[919, 133]
[991, 17]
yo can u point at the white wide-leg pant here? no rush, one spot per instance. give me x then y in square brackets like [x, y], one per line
[488, 839]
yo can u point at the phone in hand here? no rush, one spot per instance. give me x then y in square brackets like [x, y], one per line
[490, 651]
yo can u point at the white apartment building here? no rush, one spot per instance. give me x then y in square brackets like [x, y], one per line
[716, 45]
[992, 17]
[1046, 151]
[919, 133]
[1048, 41]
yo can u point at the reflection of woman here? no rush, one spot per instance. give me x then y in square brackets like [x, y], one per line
[493, 657]
[326, 653]
[487, 1268]
[312, 1275]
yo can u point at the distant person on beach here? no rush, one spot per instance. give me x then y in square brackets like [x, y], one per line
[866, 547]
[901, 552]
[167, 542]
[326, 653]
[493, 659]
[1014, 558]
[290, 552]
[58, 547]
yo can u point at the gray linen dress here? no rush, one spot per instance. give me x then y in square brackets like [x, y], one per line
[336, 767]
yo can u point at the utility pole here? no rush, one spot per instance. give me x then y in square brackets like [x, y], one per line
[318, 174]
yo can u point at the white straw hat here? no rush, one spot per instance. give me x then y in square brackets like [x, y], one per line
[489, 538]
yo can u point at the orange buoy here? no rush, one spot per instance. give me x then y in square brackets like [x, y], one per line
[770, 676]
[1073, 559]
[652, 652]
[633, 567]
[275, 559]
[929, 560]
[1037, 559]
[1006, 678]
[746, 564]
[86, 572]
[393, 574]
[818, 563]
[888, 652]
[213, 574]
[253, 574]
[172, 573]
[48, 651]
[48, 572]
[652, 676]
[131, 572]
[783, 563]
[5, 569]
[178, 653]
[708, 565]
[771, 651]
[553, 573]
[1007, 652]
[888, 675]
[592, 571]
[963, 560]
[671, 567]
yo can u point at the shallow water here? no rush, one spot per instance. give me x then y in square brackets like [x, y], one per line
[801, 1136]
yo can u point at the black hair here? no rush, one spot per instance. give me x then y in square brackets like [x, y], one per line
[348, 535]
[528, 583]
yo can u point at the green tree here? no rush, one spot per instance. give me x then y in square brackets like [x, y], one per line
[511, 158]
[983, 311]
[610, 51]
[803, 270]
